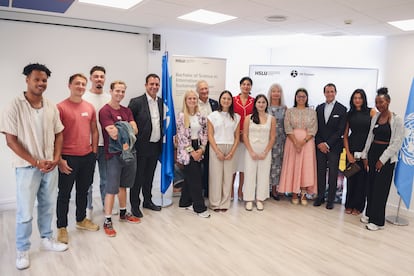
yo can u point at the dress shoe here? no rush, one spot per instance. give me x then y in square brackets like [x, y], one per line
[318, 202]
[137, 212]
[329, 206]
[151, 206]
[275, 197]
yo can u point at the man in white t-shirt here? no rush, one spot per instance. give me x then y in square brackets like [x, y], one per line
[98, 98]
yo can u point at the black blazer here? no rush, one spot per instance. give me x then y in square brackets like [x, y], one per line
[331, 132]
[142, 116]
[214, 104]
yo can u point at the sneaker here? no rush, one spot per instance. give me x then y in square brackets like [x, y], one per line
[62, 235]
[204, 214]
[109, 230]
[188, 208]
[249, 206]
[22, 259]
[259, 206]
[51, 245]
[364, 219]
[86, 224]
[128, 217]
[373, 227]
[89, 213]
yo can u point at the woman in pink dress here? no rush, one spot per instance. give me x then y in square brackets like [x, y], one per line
[299, 160]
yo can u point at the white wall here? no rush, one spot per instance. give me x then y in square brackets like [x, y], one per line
[365, 52]
[65, 50]
[399, 73]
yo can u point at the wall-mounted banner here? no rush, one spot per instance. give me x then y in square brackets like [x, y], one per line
[186, 71]
[313, 79]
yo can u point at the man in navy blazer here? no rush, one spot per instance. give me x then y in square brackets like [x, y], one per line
[206, 106]
[329, 144]
[148, 111]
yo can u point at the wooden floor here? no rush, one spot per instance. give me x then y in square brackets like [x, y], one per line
[281, 240]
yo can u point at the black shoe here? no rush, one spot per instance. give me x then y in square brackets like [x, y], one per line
[137, 212]
[276, 197]
[151, 206]
[329, 206]
[318, 202]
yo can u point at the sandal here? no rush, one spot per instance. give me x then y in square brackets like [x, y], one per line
[348, 211]
[355, 212]
[303, 199]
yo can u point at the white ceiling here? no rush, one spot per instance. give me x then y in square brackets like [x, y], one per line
[314, 17]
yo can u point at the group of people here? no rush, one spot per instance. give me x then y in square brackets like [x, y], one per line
[275, 150]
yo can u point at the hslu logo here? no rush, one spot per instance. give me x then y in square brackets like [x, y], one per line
[407, 148]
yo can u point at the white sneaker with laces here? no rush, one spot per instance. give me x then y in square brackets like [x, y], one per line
[204, 214]
[373, 227]
[51, 244]
[22, 259]
[364, 219]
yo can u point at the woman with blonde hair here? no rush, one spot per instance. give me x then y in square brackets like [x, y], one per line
[277, 109]
[192, 141]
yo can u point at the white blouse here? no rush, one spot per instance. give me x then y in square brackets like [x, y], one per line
[224, 126]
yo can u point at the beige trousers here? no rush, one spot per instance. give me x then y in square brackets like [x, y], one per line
[220, 176]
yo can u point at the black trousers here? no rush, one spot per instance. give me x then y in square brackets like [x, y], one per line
[356, 189]
[146, 166]
[378, 185]
[204, 168]
[328, 161]
[192, 191]
[83, 168]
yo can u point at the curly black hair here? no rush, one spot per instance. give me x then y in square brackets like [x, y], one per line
[38, 67]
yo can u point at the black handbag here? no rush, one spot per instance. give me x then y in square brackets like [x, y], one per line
[351, 169]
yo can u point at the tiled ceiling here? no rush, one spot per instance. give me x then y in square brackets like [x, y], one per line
[314, 17]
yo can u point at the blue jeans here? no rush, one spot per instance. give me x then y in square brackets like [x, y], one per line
[32, 184]
[100, 157]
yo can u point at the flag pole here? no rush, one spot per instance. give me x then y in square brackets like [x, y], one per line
[397, 220]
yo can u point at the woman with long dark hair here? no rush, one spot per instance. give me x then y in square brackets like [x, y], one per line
[259, 135]
[355, 136]
[223, 136]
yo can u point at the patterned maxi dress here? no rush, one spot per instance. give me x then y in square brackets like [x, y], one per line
[277, 151]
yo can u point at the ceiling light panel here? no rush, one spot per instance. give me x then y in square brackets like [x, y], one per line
[206, 17]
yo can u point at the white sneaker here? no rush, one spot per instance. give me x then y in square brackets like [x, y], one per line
[364, 219]
[204, 214]
[89, 213]
[22, 259]
[51, 245]
[373, 227]
[188, 208]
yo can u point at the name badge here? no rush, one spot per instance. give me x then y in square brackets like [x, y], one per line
[335, 116]
[376, 126]
[119, 118]
[84, 114]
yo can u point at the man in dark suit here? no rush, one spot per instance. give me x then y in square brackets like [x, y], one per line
[148, 111]
[206, 106]
[329, 144]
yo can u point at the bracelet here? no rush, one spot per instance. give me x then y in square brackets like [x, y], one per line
[37, 163]
[189, 149]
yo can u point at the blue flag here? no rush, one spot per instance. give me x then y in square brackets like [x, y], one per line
[404, 171]
[169, 128]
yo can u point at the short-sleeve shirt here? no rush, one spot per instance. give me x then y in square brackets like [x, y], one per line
[224, 126]
[77, 119]
[18, 120]
[109, 116]
[98, 101]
